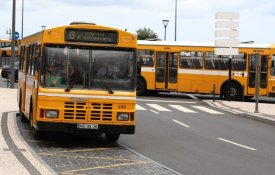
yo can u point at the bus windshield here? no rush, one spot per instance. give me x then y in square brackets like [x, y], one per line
[88, 68]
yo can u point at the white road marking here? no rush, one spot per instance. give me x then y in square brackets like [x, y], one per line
[183, 109]
[140, 108]
[161, 101]
[181, 123]
[237, 144]
[202, 108]
[154, 111]
[158, 107]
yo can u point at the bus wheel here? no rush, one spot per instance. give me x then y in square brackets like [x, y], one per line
[112, 137]
[232, 91]
[36, 134]
[23, 118]
[141, 87]
[4, 54]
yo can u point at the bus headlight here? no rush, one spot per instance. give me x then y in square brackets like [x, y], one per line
[122, 116]
[51, 113]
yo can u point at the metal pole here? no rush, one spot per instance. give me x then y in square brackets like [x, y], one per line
[176, 9]
[257, 82]
[22, 19]
[13, 46]
[164, 33]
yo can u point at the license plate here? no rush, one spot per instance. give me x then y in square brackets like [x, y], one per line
[87, 126]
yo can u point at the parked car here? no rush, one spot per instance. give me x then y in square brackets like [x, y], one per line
[6, 71]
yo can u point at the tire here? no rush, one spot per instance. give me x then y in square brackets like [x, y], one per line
[141, 87]
[4, 54]
[36, 134]
[232, 91]
[23, 118]
[112, 137]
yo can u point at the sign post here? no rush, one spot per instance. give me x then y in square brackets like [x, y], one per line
[257, 81]
[226, 34]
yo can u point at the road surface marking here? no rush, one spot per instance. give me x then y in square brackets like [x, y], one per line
[202, 108]
[181, 123]
[158, 107]
[104, 167]
[183, 109]
[140, 108]
[154, 111]
[237, 144]
[186, 102]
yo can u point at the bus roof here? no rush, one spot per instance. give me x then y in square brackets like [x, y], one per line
[198, 44]
[5, 40]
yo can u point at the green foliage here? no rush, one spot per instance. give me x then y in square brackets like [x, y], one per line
[146, 33]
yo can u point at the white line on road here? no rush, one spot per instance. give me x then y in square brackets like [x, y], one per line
[158, 107]
[140, 108]
[154, 111]
[187, 102]
[183, 109]
[237, 144]
[181, 123]
[202, 108]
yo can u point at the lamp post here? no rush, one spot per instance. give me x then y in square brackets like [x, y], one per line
[165, 23]
[22, 24]
[176, 9]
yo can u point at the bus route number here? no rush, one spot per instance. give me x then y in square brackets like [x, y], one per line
[121, 106]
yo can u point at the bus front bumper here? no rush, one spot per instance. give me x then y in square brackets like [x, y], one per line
[72, 128]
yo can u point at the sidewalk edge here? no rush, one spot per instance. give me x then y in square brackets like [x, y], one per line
[245, 114]
[31, 150]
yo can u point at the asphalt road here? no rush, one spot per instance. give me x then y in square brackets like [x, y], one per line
[201, 142]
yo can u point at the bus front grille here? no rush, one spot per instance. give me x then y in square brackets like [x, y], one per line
[79, 111]
[101, 111]
[75, 110]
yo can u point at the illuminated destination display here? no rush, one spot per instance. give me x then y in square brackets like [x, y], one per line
[91, 36]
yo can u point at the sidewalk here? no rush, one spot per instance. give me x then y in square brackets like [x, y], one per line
[247, 109]
[16, 157]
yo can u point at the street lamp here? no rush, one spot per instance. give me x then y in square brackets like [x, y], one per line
[43, 28]
[176, 10]
[22, 22]
[165, 23]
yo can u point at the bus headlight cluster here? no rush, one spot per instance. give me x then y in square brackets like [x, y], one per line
[122, 116]
[51, 113]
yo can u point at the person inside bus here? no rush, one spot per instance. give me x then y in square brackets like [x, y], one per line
[107, 71]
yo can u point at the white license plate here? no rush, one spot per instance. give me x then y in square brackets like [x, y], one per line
[87, 126]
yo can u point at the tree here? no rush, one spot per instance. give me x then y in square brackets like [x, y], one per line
[146, 33]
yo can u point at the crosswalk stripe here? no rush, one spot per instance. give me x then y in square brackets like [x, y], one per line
[140, 108]
[202, 108]
[183, 109]
[158, 107]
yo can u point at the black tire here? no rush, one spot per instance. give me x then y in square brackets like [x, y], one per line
[4, 54]
[36, 134]
[141, 87]
[232, 91]
[112, 137]
[23, 118]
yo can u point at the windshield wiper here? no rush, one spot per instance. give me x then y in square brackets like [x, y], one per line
[69, 88]
[110, 90]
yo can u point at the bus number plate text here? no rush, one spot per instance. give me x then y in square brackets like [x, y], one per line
[87, 126]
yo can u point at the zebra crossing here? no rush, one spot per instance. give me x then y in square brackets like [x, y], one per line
[191, 109]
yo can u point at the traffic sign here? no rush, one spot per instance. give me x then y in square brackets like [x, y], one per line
[226, 51]
[16, 35]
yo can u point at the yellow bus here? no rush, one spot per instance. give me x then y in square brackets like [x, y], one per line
[193, 67]
[79, 78]
[5, 47]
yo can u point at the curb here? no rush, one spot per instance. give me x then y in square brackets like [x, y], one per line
[258, 117]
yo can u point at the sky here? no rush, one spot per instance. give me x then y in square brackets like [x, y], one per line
[195, 18]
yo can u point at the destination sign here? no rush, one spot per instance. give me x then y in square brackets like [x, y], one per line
[91, 36]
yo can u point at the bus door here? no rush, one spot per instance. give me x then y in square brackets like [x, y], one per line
[166, 70]
[252, 74]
